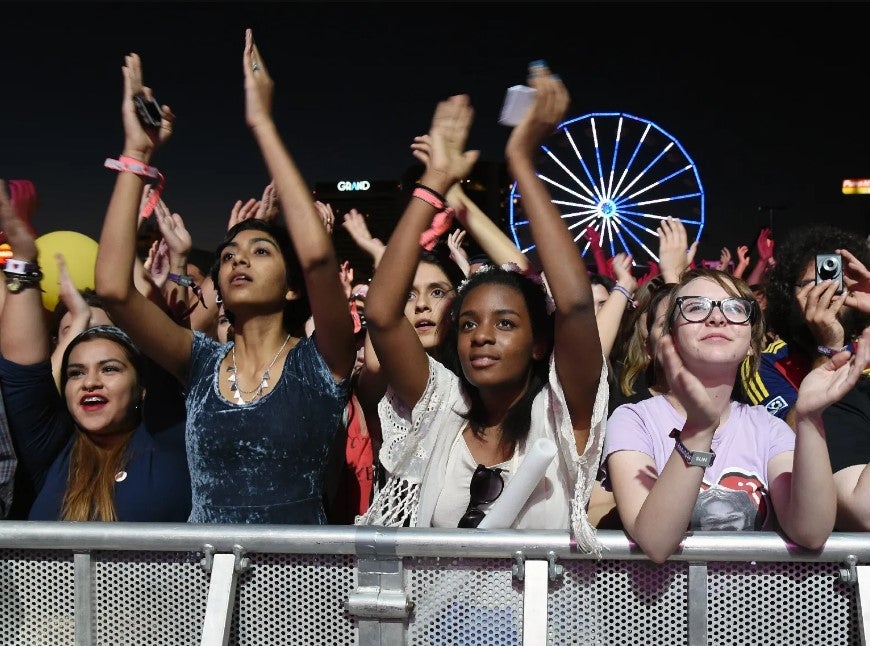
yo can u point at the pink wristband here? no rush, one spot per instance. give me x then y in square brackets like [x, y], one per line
[429, 196]
[130, 165]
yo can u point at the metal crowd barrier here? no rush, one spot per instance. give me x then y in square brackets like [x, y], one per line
[142, 584]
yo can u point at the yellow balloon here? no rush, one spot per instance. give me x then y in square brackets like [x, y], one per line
[80, 253]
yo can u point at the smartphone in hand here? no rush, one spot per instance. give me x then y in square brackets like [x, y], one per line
[150, 114]
[517, 102]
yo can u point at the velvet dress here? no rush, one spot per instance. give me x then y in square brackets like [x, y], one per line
[262, 462]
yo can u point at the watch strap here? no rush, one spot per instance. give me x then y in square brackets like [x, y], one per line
[701, 459]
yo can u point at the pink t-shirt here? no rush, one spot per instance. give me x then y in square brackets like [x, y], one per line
[734, 491]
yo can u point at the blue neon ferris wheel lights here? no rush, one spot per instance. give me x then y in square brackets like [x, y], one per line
[621, 174]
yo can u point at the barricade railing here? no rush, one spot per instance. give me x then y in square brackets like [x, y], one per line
[159, 584]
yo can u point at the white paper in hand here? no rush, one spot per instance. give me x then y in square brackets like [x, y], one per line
[516, 103]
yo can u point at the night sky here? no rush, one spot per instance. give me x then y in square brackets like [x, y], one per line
[768, 99]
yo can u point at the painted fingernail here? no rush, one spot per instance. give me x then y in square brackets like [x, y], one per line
[538, 64]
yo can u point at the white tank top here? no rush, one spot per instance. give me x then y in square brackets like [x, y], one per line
[456, 494]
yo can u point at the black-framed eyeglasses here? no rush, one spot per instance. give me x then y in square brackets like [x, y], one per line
[696, 309]
[486, 486]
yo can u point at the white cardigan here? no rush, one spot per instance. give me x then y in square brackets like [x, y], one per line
[417, 445]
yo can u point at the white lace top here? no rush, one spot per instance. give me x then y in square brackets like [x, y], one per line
[416, 447]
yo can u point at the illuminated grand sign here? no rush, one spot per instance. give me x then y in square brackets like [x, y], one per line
[359, 185]
[347, 188]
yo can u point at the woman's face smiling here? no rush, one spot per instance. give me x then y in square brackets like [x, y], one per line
[252, 270]
[102, 389]
[496, 345]
[714, 341]
[428, 304]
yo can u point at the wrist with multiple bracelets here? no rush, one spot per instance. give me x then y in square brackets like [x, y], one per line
[21, 274]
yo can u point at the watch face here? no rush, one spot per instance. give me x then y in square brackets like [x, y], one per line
[13, 285]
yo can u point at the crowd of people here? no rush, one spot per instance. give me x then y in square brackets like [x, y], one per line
[260, 383]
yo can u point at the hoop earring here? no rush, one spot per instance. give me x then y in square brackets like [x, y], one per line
[218, 300]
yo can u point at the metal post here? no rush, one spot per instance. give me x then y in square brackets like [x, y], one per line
[697, 604]
[83, 598]
[536, 583]
[221, 597]
[863, 599]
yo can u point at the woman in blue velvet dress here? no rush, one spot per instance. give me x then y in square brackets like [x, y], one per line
[263, 410]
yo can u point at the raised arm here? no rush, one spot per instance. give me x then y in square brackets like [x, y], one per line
[621, 299]
[801, 483]
[577, 347]
[151, 328]
[403, 359]
[24, 334]
[492, 240]
[312, 243]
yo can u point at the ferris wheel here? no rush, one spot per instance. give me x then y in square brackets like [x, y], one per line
[620, 174]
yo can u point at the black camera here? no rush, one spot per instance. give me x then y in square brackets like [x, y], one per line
[150, 114]
[829, 266]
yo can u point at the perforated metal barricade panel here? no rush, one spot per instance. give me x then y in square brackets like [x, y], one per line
[148, 598]
[287, 599]
[781, 604]
[464, 601]
[37, 598]
[618, 602]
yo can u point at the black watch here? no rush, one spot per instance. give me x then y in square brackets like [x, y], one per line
[701, 459]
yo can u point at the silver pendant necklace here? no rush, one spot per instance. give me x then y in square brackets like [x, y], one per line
[264, 381]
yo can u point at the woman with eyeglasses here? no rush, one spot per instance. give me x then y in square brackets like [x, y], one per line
[452, 441]
[690, 458]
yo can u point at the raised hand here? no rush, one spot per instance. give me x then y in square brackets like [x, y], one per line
[268, 206]
[18, 234]
[675, 253]
[546, 112]
[830, 382]
[345, 273]
[354, 223]
[724, 258]
[71, 297]
[457, 253]
[259, 86]
[622, 264]
[820, 306]
[701, 410]
[856, 279]
[157, 263]
[742, 261]
[327, 215]
[447, 136]
[765, 244]
[175, 234]
[140, 143]
[593, 236]
[242, 211]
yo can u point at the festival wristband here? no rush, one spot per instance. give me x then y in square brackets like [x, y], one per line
[130, 165]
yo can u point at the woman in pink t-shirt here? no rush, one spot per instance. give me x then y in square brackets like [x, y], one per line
[692, 457]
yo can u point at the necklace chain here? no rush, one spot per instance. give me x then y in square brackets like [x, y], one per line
[264, 381]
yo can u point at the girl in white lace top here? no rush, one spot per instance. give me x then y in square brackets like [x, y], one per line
[527, 366]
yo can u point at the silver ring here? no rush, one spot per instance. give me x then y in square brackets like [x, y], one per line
[255, 66]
